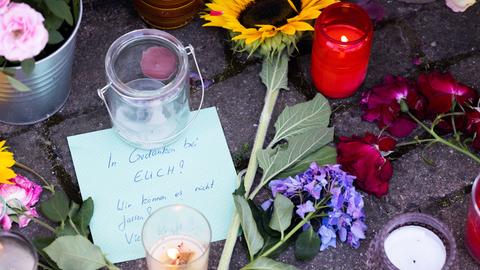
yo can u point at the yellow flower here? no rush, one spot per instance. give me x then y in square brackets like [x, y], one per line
[6, 162]
[266, 25]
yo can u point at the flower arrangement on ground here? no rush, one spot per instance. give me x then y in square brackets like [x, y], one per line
[327, 204]
[69, 247]
[30, 29]
[447, 111]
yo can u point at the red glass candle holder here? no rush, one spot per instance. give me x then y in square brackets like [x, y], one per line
[472, 228]
[341, 49]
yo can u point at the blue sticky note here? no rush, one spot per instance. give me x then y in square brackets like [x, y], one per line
[128, 184]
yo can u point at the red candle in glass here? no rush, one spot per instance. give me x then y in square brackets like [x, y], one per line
[472, 230]
[341, 49]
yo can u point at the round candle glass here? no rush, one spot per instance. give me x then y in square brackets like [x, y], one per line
[413, 241]
[341, 49]
[17, 252]
[472, 228]
[177, 237]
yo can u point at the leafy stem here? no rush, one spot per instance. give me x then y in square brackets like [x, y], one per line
[441, 140]
[47, 186]
[34, 219]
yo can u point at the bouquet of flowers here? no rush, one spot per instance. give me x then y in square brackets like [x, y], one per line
[31, 29]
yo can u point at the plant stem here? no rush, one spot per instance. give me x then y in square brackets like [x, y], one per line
[48, 186]
[270, 100]
[45, 267]
[415, 142]
[36, 220]
[443, 141]
[290, 234]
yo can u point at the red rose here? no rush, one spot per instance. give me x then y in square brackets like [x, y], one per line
[364, 158]
[381, 104]
[473, 126]
[441, 91]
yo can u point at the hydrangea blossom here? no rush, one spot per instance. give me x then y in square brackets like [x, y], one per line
[329, 192]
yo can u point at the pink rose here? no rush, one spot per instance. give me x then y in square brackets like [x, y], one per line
[23, 193]
[22, 33]
[4, 6]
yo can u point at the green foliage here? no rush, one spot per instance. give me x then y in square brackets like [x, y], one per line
[60, 9]
[28, 66]
[56, 208]
[75, 253]
[302, 117]
[83, 217]
[16, 84]
[307, 245]
[275, 161]
[323, 156]
[253, 237]
[54, 37]
[274, 72]
[264, 263]
[282, 214]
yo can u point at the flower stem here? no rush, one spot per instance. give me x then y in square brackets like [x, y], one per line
[270, 100]
[443, 141]
[289, 235]
[47, 186]
[415, 142]
[45, 267]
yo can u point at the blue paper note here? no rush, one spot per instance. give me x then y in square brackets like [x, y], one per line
[128, 184]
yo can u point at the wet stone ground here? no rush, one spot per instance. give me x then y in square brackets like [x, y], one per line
[442, 39]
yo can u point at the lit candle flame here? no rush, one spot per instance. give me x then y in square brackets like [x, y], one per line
[344, 38]
[173, 253]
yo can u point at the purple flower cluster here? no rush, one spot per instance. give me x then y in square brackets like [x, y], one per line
[329, 192]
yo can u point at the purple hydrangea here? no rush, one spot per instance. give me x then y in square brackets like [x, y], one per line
[331, 190]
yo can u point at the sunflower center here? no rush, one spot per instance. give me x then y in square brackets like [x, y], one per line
[272, 12]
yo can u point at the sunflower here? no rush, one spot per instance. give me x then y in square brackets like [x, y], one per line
[269, 26]
[6, 162]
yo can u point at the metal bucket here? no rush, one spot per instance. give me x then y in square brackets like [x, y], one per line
[49, 82]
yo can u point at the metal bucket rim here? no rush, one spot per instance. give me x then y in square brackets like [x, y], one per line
[68, 41]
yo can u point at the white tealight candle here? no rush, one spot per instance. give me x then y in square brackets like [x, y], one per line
[15, 254]
[415, 248]
[178, 252]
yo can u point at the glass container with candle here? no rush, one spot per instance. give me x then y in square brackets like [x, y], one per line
[149, 85]
[177, 237]
[341, 49]
[472, 228]
[413, 241]
[17, 252]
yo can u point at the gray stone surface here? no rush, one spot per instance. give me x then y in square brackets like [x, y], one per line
[441, 38]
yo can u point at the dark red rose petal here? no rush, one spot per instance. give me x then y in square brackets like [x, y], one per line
[402, 127]
[386, 143]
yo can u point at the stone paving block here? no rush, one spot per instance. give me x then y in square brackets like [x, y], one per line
[416, 183]
[445, 34]
[466, 71]
[239, 101]
[94, 121]
[395, 9]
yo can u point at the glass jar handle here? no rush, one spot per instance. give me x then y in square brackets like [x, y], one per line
[190, 51]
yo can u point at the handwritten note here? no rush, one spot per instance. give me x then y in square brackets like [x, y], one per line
[128, 184]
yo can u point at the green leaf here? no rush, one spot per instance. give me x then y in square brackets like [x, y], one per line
[53, 22]
[323, 156]
[252, 236]
[282, 213]
[60, 9]
[54, 37]
[263, 263]
[274, 72]
[76, 10]
[28, 66]
[301, 118]
[56, 208]
[275, 161]
[83, 217]
[40, 244]
[75, 253]
[74, 207]
[16, 84]
[307, 245]
[65, 229]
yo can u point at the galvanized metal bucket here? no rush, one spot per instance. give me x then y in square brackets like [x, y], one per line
[49, 82]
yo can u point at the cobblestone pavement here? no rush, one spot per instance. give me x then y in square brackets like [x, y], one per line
[442, 39]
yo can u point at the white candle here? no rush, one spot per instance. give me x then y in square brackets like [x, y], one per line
[15, 254]
[177, 252]
[415, 248]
